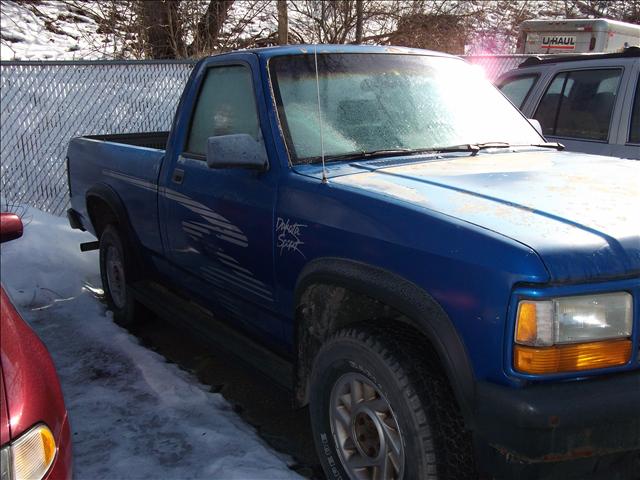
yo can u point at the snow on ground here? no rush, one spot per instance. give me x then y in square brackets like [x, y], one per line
[50, 30]
[132, 414]
[58, 30]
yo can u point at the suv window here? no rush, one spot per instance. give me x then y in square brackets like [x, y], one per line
[225, 106]
[634, 129]
[517, 89]
[579, 104]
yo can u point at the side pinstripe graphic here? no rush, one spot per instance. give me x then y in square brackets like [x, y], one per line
[212, 223]
[220, 226]
[215, 223]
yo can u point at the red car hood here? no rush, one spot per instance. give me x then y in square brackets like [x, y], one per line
[31, 390]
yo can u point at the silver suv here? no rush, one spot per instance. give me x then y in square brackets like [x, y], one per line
[590, 102]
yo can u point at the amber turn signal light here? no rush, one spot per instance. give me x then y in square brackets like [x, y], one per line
[527, 326]
[571, 358]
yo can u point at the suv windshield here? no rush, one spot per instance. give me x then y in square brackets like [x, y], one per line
[380, 102]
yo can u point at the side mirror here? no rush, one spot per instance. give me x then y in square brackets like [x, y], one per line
[10, 227]
[236, 151]
[536, 124]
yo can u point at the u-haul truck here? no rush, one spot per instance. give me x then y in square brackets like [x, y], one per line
[576, 36]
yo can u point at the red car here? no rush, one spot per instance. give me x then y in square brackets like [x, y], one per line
[34, 429]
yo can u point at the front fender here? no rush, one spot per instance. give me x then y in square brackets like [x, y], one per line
[410, 300]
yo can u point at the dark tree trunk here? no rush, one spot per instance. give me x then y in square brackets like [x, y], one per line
[209, 27]
[359, 15]
[162, 28]
[283, 23]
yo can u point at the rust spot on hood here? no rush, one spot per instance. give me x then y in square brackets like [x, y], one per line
[386, 187]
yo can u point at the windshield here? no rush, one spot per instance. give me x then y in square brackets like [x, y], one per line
[373, 102]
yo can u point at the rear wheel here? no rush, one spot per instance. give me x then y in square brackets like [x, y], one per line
[115, 270]
[379, 412]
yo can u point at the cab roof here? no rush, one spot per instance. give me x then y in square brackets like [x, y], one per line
[268, 52]
[629, 52]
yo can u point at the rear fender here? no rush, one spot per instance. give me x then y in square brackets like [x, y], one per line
[117, 214]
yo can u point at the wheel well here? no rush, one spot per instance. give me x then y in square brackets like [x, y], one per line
[100, 213]
[324, 308]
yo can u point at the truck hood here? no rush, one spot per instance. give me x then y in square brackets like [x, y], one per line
[580, 213]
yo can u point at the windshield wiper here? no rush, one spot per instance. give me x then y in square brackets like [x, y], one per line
[474, 148]
[385, 152]
[556, 145]
[370, 154]
[389, 152]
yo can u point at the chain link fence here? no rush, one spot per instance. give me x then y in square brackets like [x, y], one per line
[45, 104]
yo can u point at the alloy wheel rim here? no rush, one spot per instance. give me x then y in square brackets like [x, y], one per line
[365, 429]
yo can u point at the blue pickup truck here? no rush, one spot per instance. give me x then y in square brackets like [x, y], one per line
[380, 230]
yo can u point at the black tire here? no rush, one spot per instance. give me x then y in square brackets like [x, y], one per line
[431, 428]
[120, 300]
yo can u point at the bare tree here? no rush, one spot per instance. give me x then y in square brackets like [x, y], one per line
[209, 26]
[445, 33]
[337, 21]
[359, 20]
[283, 23]
[193, 28]
[162, 27]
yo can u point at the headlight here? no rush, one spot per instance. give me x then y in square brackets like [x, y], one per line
[573, 333]
[30, 456]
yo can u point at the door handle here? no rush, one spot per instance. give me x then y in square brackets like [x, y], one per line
[178, 176]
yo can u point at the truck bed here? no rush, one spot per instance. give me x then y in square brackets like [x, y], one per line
[125, 166]
[157, 140]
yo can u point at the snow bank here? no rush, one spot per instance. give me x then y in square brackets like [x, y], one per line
[132, 414]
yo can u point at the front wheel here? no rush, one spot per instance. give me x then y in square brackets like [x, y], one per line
[379, 412]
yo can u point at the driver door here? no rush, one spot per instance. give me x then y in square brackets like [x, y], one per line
[220, 221]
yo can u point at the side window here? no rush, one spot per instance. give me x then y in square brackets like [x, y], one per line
[546, 112]
[226, 105]
[579, 104]
[517, 89]
[634, 128]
